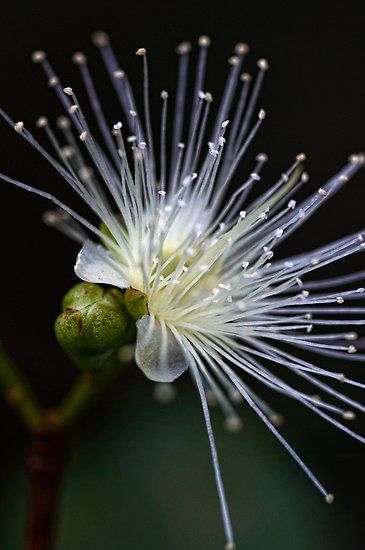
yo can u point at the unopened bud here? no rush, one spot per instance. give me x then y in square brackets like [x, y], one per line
[93, 325]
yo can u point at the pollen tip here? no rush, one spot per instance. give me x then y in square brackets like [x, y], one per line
[100, 38]
[301, 157]
[330, 498]
[263, 64]
[164, 393]
[262, 157]
[235, 396]
[19, 126]
[204, 41]
[277, 419]
[38, 56]
[348, 415]
[233, 424]
[233, 60]
[245, 77]
[68, 91]
[183, 48]
[41, 122]
[62, 122]
[358, 158]
[141, 52]
[211, 398]
[119, 74]
[79, 58]
[241, 48]
[53, 81]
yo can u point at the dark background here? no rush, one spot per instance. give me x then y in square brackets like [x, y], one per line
[314, 97]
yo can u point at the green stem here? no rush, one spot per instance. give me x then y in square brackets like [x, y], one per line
[86, 390]
[17, 393]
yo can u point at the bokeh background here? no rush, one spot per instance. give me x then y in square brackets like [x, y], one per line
[140, 476]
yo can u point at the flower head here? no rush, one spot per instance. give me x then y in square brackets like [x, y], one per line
[203, 254]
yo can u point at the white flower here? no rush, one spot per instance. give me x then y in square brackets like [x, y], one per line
[219, 302]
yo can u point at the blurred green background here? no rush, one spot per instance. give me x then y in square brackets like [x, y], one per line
[140, 477]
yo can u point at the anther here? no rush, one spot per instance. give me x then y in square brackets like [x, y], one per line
[164, 94]
[164, 393]
[341, 377]
[343, 177]
[276, 419]
[141, 52]
[208, 97]
[54, 217]
[53, 81]
[19, 126]
[68, 91]
[322, 192]
[263, 64]
[63, 123]
[246, 77]
[329, 498]
[301, 157]
[38, 56]
[351, 349]
[261, 157]
[100, 38]
[119, 74]
[233, 60]
[79, 58]
[233, 424]
[241, 48]
[183, 48]
[204, 41]
[83, 135]
[351, 336]
[225, 123]
[348, 415]
[262, 114]
[235, 396]
[73, 109]
[41, 122]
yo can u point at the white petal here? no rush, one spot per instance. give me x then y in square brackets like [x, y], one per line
[158, 354]
[95, 264]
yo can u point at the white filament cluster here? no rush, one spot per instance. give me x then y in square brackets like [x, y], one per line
[219, 302]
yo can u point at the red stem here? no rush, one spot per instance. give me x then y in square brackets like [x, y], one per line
[46, 463]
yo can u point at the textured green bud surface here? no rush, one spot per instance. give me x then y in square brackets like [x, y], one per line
[93, 325]
[135, 303]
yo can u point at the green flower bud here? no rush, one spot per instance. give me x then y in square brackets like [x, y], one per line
[93, 325]
[136, 303]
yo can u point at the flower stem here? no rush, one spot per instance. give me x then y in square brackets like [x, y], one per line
[17, 392]
[86, 390]
[46, 463]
